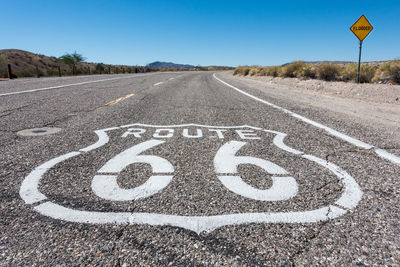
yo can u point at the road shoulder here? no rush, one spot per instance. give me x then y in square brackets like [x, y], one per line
[379, 110]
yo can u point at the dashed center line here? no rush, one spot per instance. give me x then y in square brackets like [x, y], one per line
[116, 101]
[157, 83]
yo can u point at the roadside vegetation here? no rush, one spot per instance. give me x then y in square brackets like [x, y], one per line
[384, 72]
[3, 65]
[72, 60]
[27, 64]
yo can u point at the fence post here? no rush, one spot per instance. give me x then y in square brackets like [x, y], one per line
[89, 69]
[9, 72]
[116, 70]
[59, 71]
[109, 69]
[37, 71]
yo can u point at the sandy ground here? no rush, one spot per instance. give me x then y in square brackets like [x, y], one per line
[377, 105]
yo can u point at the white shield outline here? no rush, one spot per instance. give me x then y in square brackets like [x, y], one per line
[30, 193]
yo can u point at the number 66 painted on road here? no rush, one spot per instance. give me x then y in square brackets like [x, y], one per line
[225, 162]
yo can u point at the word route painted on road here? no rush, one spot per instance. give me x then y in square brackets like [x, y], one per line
[163, 149]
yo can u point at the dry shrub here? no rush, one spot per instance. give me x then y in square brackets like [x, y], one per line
[253, 72]
[379, 76]
[273, 71]
[395, 74]
[391, 71]
[367, 73]
[261, 71]
[328, 71]
[349, 72]
[308, 71]
[293, 69]
[241, 71]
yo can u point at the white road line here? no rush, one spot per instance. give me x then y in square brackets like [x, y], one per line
[382, 153]
[157, 83]
[66, 85]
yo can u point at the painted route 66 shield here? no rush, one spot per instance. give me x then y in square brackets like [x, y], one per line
[198, 177]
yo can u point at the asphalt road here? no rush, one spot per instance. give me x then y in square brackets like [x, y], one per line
[182, 169]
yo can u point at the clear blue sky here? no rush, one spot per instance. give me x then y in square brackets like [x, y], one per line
[201, 32]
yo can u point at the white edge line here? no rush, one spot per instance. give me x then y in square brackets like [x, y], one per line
[67, 85]
[382, 153]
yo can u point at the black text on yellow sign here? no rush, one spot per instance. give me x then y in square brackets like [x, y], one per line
[361, 28]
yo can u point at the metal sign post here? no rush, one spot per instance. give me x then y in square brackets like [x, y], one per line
[359, 63]
[361, 28]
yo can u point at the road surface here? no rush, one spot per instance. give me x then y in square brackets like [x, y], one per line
[189, 168]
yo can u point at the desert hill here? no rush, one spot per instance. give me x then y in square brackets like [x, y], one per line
[24, 64]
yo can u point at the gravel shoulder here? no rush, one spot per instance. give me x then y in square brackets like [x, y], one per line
[376, 105]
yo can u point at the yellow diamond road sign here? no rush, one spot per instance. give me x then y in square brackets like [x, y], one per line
[361, 28]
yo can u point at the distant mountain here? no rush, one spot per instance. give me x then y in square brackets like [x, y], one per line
[164, 65]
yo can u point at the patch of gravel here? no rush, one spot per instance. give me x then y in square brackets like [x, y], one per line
[379, 93]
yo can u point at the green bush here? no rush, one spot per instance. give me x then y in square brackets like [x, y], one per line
[99, 67]
[26, 73]
[328, 71]
[51, 72]
[3, 59]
